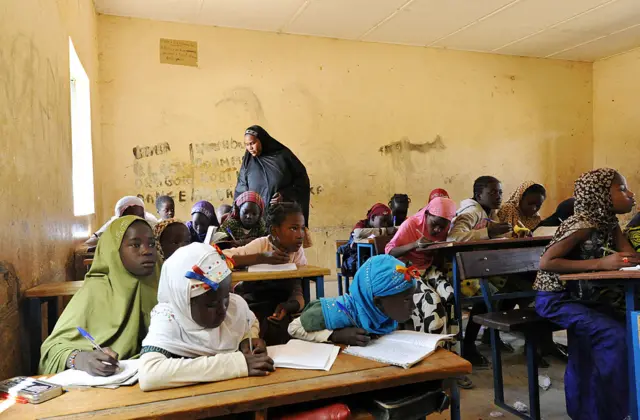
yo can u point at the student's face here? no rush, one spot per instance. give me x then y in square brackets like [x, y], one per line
[138, 249]
[222, 210]
[175, 236]
[200, 223]
[379, 221]
[134, 211]
[622, 198]
[437, 225]
[249, 215]
[253, 145]
[531, 203]
[209, 309]
[397, 307]
[290, 234]
[399, 211]
[167, 210]
[491, 196]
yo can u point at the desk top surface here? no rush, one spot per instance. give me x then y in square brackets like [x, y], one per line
[348, 375]
[489, 244]
[602, 275]
[62, 288]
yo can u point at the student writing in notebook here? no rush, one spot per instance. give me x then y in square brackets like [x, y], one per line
[399, 205]
[113, 305]
[200, 331]
[380, 297]
[203, 215]
[521, 209]
[166, 207]
[275, 299]
[170, 234]
[245, 222]
[596, 381]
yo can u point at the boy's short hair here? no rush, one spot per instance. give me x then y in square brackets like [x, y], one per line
[162, 200]
[483, 182]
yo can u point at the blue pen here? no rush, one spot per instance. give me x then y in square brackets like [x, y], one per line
[88, 336]
[230, 234]
[346, 312]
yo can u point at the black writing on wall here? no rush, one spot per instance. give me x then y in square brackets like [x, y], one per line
[140, 152]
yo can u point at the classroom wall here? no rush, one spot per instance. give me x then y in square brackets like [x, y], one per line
[368, 120]
[616, 109]
[36, 239]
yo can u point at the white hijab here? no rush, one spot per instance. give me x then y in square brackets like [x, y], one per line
[123, 204]
[172, 327]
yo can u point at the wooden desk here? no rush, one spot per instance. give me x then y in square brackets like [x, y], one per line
[630, 280]
[306, 273]
[349, 375]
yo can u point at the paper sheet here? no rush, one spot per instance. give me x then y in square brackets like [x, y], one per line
[265, 268]
[127, 375]
[299, 354]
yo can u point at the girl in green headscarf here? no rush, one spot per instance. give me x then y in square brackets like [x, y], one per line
[113, 305]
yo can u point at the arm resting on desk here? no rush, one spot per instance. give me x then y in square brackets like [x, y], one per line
[296, 330]
[160, 372]
[463, 229]
[554, 259]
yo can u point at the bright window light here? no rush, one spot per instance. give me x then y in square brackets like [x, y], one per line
[82, 155]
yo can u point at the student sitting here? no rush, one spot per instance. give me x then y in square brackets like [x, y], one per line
[377, 223]
[203, 215]
[563, 212]
[521, 209]
[113, 305]
[170, 234]
[596, 381]
[200, 331]
[126, 206]
[166, 207]
[380, 297]
[223, 212]
[246, 222]
[399, 205]
[438, 192]
[431, 224]
[274, 299]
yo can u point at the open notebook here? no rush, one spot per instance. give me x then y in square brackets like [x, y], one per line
[400, 348]
[298, 354]
[127, 374]
[265, 268]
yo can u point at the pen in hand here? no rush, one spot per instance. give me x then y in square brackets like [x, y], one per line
[88, 336]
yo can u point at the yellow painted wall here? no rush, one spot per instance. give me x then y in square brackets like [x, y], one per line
[368, 120]
[616, 128]
[35, 138]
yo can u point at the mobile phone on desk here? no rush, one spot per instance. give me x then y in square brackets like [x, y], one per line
[34, 391]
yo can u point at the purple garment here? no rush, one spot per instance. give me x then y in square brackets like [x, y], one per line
[208, 210]
[596, 380]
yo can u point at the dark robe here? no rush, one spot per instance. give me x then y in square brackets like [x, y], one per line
[277, 169]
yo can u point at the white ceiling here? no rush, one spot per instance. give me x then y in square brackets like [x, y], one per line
[582, 30]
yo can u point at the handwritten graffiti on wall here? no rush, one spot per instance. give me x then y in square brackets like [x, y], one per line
[140, 152]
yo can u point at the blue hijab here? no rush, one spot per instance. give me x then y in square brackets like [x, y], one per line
[382, 275]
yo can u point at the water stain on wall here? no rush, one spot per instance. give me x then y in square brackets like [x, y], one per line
[401, 152]
[246, 97]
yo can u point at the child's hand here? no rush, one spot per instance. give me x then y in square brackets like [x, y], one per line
[259, 346]
[498, 229]
[274, 257]
[619, 260]
[276, 198]
[423, 243]
[259, 364]
[92, 362]
[350, 336]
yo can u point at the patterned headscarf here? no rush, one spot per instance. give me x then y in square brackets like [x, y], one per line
[247, 197]
[382, 275]
[510, 210]
[158, 230]
[207, 209]
[593, 210]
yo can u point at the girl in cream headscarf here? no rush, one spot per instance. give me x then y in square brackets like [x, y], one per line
[200, 331]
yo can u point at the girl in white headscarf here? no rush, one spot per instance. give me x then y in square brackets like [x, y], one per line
[200, 331]
[126, 206]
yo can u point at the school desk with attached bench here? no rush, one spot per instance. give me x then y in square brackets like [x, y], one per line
[349, 375]
[50, 292]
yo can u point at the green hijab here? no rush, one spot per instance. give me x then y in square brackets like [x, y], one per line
[113, 305]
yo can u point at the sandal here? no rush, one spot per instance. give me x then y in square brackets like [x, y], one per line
[477, 360]
[464, 382]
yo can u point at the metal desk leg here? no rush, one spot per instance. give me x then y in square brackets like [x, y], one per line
[319, 287]
[532, 373]
[455, 399]
[34, 326]
[630, 301]
[496, 356]
[457, 305]
[306, 292]
[358, 257]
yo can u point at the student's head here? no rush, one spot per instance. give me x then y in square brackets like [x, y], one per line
[379, 216]
[383, 291]
[170, 234]
[138, 249]
[399, 205]
[438, 192]
[532, 199]
[439, 214]
[166, 207]
[203, 215]
[130, 206]
[223, 210]
[622, 198]
[601, 194]
[487, 191]
[248, 208]
[196, 282]
[565, 209]
[286, 225]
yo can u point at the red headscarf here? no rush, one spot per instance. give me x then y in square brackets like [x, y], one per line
[247, 197]
[378, 209]
[438, 192]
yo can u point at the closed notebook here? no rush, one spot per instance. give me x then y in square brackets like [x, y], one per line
[265, 268]
[127, 374]
[299, 354]
[400, 348]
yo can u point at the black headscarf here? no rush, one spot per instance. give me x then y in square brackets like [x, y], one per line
[275, 170]
[563, 212]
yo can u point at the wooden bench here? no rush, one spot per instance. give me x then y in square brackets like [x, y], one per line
[482, 265]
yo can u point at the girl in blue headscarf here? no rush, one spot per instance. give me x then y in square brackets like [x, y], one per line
[381, 296]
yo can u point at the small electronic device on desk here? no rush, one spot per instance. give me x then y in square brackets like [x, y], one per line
[25, 389]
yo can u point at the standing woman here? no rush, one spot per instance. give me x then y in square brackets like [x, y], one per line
[273, 171]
